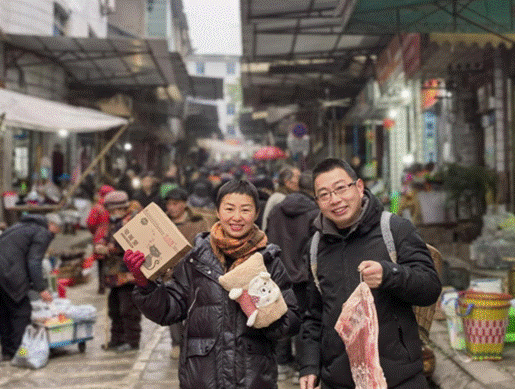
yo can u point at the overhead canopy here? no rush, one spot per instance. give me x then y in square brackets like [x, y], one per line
[119, 63]
[426, 16]
[304, 50]
[299, 51]
[33, 113]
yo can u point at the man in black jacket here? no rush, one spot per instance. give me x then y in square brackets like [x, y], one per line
[351, 243]
[22, 248]
[289, 226]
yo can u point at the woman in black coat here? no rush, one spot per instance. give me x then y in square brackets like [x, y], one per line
[219, 350]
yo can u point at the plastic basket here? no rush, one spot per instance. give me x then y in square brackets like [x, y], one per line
[485, 319]
[84, 329]
[60, 333]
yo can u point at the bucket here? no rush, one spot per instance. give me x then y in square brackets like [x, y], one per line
[485, 319]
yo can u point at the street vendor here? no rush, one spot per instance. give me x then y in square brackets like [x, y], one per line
[22, 248]
[125, 316]
[221, 348]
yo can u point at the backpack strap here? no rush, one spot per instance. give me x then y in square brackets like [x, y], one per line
[313, 252]
[387, 235]
[386, 232]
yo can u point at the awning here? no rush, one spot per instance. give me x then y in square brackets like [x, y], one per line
[427, 16]
[33, 113]
[299, 51]
[119, 63]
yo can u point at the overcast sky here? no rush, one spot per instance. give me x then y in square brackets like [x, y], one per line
[215, 26]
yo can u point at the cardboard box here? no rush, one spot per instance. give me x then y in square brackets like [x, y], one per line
[153, 233]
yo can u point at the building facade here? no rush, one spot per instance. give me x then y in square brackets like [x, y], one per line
[226, 67]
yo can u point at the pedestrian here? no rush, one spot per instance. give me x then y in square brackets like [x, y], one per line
[288, 183]
[125, 316]
[98, 225]
[351, 245]
[290, 227]
[189, 224]
[22, 248]
[219, 349]
[149, 191]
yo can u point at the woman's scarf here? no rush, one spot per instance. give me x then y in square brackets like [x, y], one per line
[239, 249]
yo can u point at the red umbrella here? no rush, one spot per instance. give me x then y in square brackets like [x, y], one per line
[268, 153]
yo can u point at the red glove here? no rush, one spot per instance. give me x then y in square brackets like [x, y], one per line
[134, 260]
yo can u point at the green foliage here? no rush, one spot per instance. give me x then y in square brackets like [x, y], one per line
[473, 181]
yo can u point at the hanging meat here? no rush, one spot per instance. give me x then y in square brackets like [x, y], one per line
[358, 327]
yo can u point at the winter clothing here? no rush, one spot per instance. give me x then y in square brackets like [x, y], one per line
[98, 225]
[116, 199]
[274, 199]
[412, 281]
[14, 317]
[147, 198]
[219, 350]
[124, 315]
[22, 247]
[290, 227]
[193, 225]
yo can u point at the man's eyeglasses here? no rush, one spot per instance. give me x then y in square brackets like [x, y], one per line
[340, 191]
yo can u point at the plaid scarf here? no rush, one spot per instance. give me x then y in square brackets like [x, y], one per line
[240, 249]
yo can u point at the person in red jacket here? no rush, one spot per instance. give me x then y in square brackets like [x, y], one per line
[98, 225]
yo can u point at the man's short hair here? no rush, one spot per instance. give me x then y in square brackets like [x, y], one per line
[329, 164]
[238, 186]
[177, 194]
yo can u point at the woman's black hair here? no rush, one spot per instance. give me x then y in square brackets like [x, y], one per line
[238, 186]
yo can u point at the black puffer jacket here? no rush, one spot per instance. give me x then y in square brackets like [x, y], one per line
[290, 227]
[22, 248]
[218, 350]
[412, 281]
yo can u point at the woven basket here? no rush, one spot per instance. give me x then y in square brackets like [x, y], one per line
[485, 319]
[425, 315]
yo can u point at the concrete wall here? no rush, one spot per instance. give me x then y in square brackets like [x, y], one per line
[129, 16]
[36, 17]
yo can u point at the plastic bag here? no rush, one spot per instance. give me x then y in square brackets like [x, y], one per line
[34, 349]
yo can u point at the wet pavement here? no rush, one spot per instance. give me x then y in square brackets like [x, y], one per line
[148, 368]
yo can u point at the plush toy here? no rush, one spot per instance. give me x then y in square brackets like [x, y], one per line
[258, 295]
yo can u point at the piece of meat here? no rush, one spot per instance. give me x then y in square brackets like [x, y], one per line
[358, 327]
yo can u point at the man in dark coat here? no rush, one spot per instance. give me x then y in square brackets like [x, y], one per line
[351, 243]
[189, 224]
[22, 248]
[290, 226]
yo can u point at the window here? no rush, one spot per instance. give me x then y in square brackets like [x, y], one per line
[231, 109]
[231, 68]
[201, 67]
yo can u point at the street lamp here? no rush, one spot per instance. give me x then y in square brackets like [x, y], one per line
[127, 146]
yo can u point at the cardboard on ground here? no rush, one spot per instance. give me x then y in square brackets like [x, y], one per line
[153, 233]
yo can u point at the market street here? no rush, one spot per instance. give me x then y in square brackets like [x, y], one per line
[67, 368]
